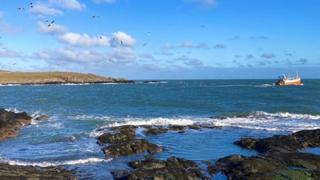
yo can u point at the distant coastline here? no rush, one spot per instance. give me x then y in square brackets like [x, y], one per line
[46, 78]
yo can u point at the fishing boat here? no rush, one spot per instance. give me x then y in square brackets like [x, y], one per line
[286, 80]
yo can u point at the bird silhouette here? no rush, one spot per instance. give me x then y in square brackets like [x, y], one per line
[94, 17]
[31, 4]
[51, 23]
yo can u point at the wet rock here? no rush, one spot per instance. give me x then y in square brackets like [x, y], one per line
[41, 118]
[9, 172]
[122, 142]
[279, 158]
[283, 143]
[10, 122]
[172, 168]
[276, 166]
[195, 127]
[179, 129]
[155, 130]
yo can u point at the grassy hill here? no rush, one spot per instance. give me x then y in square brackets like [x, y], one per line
[7, 77]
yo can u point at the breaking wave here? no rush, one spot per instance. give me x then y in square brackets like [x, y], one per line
[282, 121]
[54, 163]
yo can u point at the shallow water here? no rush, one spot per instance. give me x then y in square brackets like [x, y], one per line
[250, 108]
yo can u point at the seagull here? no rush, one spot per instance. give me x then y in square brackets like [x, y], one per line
[51, 23]
[31, 5]
[94, 16]
[20, 8]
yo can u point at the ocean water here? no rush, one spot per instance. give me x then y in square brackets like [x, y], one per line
[251, 108]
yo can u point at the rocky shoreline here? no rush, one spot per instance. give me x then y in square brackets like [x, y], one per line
[280, 157]
[10, 123]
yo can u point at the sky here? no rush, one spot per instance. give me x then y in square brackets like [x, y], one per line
[162, 39]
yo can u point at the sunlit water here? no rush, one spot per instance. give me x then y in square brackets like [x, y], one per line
[250, 109]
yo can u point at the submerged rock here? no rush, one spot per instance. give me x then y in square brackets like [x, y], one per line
[172, 168]
[10, 122]
[123, 142]
[29, 172]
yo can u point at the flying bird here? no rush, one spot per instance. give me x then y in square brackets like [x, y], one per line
[31, 5]
[145, 44]
[20, 8]
[94, 17]
[51, 23]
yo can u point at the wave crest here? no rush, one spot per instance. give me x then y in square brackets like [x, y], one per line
[281, 121]
[54, 163]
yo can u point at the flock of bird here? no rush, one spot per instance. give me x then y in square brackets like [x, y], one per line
[51, 23]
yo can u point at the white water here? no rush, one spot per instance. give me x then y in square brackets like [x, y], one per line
[54, 163]
[282, 121]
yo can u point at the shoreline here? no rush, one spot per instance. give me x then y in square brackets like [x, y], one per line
[275, 155]
[10, 123]
[51, 78]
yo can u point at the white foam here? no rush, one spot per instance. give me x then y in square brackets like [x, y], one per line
[89, 117]
[156, 122]
[282, 121]
[54, 163]
[15, 110]
[10, 84]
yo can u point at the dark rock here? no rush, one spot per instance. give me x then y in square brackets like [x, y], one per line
[283, 143]
[279, 159]
[122, 142]
[179, 129]
[155, 130]
[10, 122]
[9, 172]
[172, 168]
[195, 127]
[41, 118]
[275, 166]
[132, 147]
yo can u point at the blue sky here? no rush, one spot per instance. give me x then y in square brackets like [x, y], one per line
[162, 39]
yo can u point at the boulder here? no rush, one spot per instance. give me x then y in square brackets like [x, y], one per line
[8, 172]
[283, 143]
[122, 141]
[10, 122]
[172, 168]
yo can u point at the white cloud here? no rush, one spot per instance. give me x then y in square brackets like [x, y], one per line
[1, 14]
[69, 4]
[54, 29]
[104, 1]
[191, 45]
[122, 55]
[45, 10]
[120, 39]
[8, 53]
[84, 40]
[70, 55]
[207, 3]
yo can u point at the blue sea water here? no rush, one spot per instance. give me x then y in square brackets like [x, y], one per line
[251, 108]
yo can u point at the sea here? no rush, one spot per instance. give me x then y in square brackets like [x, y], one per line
[241, 108]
